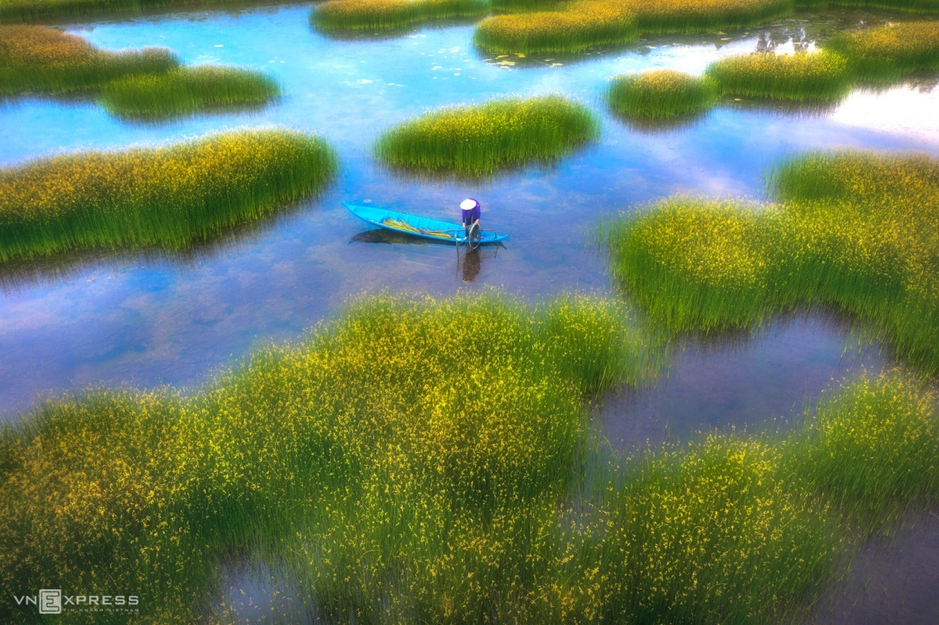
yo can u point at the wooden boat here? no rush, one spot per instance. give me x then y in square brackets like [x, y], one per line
[444, 231]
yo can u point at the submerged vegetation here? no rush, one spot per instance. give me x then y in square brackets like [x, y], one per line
[148, 83]
[381, 15]
[168, 197]
[186, 90]
[399, 472]
[479, 140]
[661, 94]
[854, 231]
[570, 27]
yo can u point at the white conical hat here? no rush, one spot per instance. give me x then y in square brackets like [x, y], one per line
[468, 204]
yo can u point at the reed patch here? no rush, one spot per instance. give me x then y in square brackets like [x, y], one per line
[186, 90]
[165, 197]
[37, 59]
[889, 52]
[568, 28]
[382, 15]
[853, 231]
[661, 95]
[479, 140]
[147, 84]
[817, 77]
[398, 468]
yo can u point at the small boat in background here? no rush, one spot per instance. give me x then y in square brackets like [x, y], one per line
[443, 231]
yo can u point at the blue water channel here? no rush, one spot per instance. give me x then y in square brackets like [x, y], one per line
[146, 319]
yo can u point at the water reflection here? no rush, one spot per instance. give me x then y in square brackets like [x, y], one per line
[749, 382]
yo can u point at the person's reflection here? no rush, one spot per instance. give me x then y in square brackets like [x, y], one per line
[471, 263]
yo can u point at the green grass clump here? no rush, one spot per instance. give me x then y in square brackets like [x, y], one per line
[396, 428]
[687, 16]
[478, 140]
[660, 95]
[380, 15]
[45, 60]
[873, 449]
[187, 89]
[569, 27]
[854, 231]
[891, 51]
[818, 77]
[422, 460]
[148, 84]
[168, 197]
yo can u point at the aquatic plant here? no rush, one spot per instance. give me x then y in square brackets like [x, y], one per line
[167, 197]
[819, 77]
[187, 89]
[668, 16]
[47, 60]
[890, 51]
[478, 140]
[379, 15]
[854, 231]
[400, 469]
[569, 27]
[394, 409]
[661, 94]
[873, 449]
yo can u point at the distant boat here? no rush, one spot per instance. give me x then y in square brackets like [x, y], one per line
[444, 231]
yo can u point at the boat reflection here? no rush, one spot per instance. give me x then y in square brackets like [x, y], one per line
[469, 261]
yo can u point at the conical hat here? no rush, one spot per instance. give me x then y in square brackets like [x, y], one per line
[468, 204]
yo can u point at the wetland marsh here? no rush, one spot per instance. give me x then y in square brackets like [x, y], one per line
[526, 501]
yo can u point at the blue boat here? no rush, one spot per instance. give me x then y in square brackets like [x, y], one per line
[443, 231]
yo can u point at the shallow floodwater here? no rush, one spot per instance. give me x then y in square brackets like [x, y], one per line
[147, 319]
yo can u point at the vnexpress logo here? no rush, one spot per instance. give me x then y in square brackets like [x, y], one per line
[50, 601]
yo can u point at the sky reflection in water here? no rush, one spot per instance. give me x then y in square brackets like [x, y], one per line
[147, 319]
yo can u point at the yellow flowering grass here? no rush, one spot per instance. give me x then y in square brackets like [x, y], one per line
[422, 420]
[819, 77]
[873, 449]
[422, 460]
[167, 197]
[379, 15]
[145, 84]
[854, 231]
[888, 52]
[661, 16]
[186, 90]
[47, 60]
[568, 27]
[660, 94]
[479, 140]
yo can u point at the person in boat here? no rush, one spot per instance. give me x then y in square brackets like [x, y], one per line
[471, 214]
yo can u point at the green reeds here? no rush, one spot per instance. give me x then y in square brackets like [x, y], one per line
[889, 52]
[186, 90]
[661, 95]
[872, 449]
[147, 84]
[168, 197]
[479, 140]
[381, 15]
[398, 469]
[36, 59]
[689, 16]
[801, 77]
[567, 28]
[855, 232]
